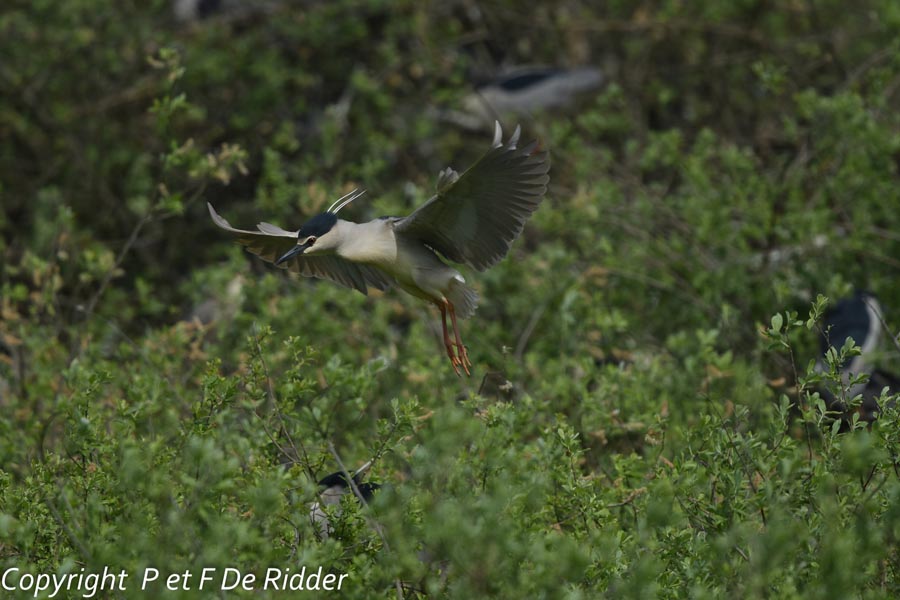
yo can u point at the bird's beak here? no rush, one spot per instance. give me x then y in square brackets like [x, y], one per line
[298, 249]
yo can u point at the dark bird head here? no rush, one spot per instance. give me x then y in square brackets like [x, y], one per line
[334, 480]
[368, 490]
[336, 485]
[196, 10]
[855, 317]
[319, 235]
[313, 232]
[524, 79]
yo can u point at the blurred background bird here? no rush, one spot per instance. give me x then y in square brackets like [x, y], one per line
[523, 93]
[473, 219]
[336, 486]
[858, 317]
[189, 12]
[526, 91]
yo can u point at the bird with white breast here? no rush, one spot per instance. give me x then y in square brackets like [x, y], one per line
[473, 219]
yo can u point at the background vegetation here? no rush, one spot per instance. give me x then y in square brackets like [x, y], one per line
[638, 424]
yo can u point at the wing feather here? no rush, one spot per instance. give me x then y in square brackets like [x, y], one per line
[271, 242]
[475, 217]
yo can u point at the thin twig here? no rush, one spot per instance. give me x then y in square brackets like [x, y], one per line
[296, 537]
[88, 311]
[73, 539]
[384, 443]
[674, 26]
[894, 338]
[274, 401]
[376, 526]
[529, 329]
[92, 303]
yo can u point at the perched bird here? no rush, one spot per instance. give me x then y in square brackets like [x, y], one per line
[857, 317]
[472, 219]
[336, 487]
[523, 93]
[194, 11]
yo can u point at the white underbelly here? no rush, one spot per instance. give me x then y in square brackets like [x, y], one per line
[420, 272]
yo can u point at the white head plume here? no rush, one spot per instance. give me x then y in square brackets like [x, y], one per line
[345, 200]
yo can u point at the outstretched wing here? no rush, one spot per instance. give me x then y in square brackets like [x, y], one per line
[475, 217]
[339, 270]
[271, 242]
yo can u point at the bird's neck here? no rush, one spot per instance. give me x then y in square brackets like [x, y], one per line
[371, 242]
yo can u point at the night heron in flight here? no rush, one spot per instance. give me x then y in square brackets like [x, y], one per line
[473, 219]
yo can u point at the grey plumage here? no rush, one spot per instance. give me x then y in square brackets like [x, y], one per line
[859, 318]
[856, 317]
[195, 11]
[524, 92]
[472, 219]
[272, 241]
[475, 217]
[334, 487]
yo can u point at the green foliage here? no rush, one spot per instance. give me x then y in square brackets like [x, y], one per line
[645, 417]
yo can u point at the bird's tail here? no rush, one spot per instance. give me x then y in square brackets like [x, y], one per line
[463, 298]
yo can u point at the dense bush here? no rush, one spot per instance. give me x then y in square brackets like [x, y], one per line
[639, 424]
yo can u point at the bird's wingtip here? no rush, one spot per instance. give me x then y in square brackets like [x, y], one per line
[514, 139]
[212, 211]
[218, 219]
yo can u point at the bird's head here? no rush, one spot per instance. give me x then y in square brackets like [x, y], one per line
[336, 485]
[319, 235]
[316, 236]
